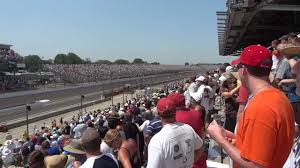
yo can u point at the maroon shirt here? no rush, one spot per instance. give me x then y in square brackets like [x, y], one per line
[194, 119]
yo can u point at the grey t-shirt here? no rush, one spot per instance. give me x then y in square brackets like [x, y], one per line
[282, 69]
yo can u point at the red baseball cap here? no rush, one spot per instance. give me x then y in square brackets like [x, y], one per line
[235, 61]
[165, 106]
[257, 56]
[177, 98]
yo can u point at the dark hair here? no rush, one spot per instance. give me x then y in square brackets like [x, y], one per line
[131, 130]
[36, 159]
[102, 131]
[112, 123]
[45, 145]
[258, 71]
[226, 84]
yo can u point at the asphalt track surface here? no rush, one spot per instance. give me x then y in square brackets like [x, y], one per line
[13, 105]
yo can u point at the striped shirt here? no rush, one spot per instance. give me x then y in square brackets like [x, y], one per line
[154, 127]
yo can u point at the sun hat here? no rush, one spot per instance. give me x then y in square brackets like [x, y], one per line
[56, 161]
[74, 146]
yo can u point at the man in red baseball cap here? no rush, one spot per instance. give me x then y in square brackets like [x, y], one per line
[176, 144]
[266, 128]
[191, 117]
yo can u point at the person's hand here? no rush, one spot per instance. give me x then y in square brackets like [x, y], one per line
[215, 131]
[280, 83]
[229, 136]
[76, 164]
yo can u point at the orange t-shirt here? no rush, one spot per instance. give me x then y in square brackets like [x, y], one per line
[265, 131]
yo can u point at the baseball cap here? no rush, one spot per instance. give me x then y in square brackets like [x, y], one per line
[256, 56]
[164, 106]
[177, 98]
[235, 61]
[200, 78]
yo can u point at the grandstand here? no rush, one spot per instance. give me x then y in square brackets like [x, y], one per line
[255, 22]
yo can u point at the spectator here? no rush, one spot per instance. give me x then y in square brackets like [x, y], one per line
[268, 115]
[231, 106]
[153, 127]
[56, 161]
[111, 142]
[80, 128]
[164, 147]
[204, 94]
[131, 150]
[282, 69]
[36, 159]
[74, 149]
[91, 144]
[191, 117]
[66, 128]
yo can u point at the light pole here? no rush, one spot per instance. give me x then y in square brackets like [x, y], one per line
[123, 94]
[112, 90]
[28, 108]
[81, 101]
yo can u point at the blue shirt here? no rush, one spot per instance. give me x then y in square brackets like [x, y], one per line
[153, 127]
[292, 96]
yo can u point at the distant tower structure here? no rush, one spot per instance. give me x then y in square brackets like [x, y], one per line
[5, 51]
[9, 59]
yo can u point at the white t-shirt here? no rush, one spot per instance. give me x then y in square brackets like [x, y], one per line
[207, 93]
[173, 147]
[204, 94]
[193, 87]
[275, 62]
[144, 125]
[79, 129]
[104, 148]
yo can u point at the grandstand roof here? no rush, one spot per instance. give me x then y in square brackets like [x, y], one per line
[5, 46]
[255, 22]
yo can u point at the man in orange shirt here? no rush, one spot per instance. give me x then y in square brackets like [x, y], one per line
[266, 128]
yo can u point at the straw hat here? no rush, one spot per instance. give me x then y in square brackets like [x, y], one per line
[74, 146]
[291, 49]
[56, 161]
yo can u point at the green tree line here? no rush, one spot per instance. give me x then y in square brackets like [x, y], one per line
[34, 63]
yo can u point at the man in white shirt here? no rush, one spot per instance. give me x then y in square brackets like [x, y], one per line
[176, 145]
[79, 129]
[204, 94]
[192, 89]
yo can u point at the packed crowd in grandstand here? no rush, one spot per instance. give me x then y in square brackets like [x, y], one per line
[169, 127]
[79, 73]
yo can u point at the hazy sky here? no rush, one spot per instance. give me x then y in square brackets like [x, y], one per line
[167, 31]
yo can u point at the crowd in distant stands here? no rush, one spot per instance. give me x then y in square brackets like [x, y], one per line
[82, 73]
